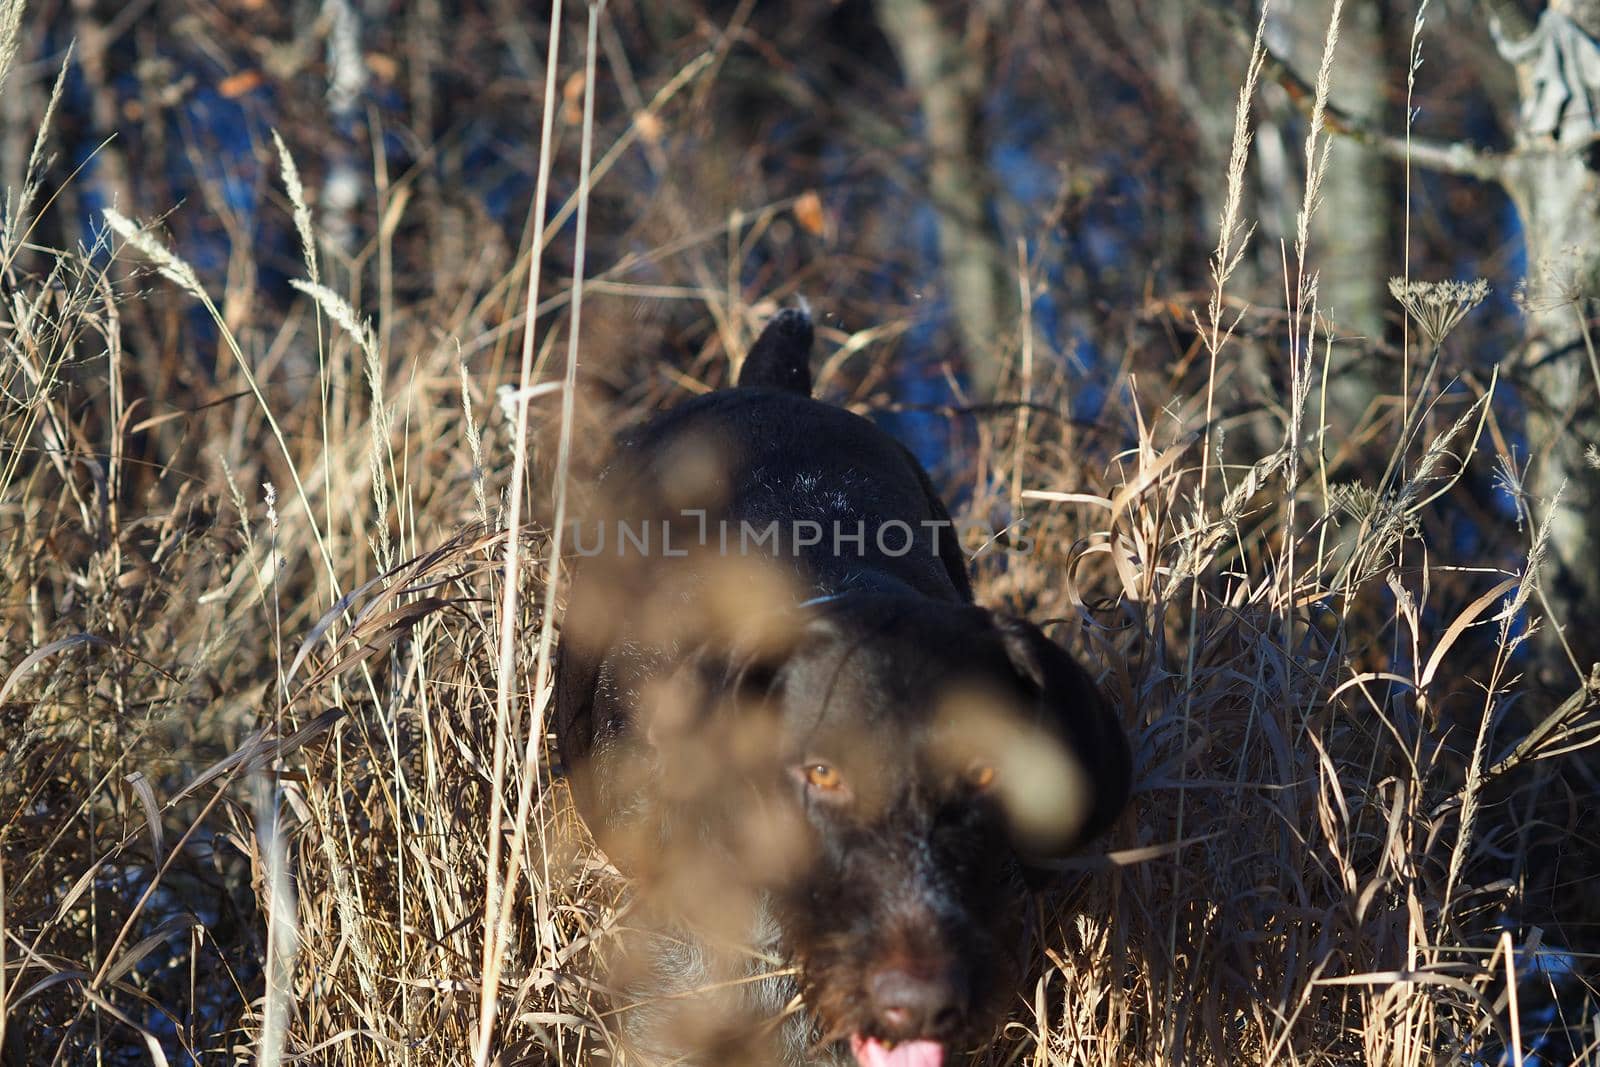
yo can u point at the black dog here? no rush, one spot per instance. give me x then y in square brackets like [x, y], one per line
[782, 712]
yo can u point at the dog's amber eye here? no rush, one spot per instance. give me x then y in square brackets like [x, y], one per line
[980, 776]
[823, 776]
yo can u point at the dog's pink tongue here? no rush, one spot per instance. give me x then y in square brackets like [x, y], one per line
[870, 1052]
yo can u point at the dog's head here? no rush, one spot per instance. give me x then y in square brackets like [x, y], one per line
[905, 762]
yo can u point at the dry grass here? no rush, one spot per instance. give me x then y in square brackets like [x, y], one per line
[275, 656]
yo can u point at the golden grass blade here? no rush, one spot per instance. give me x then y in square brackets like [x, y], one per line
[152, 812]
[166, 931]
[44, 652]
[1458, 626]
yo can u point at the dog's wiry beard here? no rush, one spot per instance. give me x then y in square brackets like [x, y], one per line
[859, 911]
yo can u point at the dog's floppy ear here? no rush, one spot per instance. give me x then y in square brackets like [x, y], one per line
[1072, 707]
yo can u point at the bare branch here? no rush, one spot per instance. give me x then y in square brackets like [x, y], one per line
[1457, 157]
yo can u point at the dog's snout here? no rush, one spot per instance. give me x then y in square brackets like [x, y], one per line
[909, 1004]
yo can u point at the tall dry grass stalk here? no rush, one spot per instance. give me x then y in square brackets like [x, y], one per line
[498, 887]
[10, 36]
[1232, 239]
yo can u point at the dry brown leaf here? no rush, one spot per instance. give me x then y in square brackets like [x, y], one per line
[572, 99]
[808, 213]
[240, 84]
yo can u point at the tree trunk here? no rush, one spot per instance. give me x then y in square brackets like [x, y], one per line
[948, 78]
[1557, 194]
[1351, 234]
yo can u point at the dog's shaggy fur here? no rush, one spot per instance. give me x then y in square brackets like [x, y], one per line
[813, 752]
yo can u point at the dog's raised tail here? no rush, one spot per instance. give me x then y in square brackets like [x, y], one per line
[781, 356]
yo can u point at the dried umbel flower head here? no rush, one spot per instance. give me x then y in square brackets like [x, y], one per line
[1561, 280]
[1438, 306]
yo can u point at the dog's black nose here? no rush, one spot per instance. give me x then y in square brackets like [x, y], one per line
[911, 1005]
